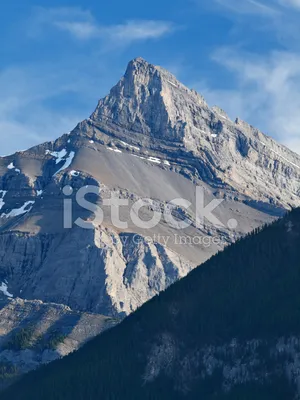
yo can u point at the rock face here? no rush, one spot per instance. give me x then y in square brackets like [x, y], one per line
[148, 100]
[34, 333]
[160, 112]
[153, 138]
[102, 271]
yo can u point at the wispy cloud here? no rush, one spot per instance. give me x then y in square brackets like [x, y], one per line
[82, 25]
[80, 30]
[266, 8]
[128, 32]
[290, 3]
[81, 21]
[249, 7]
[266, 92]
[139, 30]
[264, 85]
[268, 21]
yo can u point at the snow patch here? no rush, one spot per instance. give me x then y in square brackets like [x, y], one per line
[171, 83]
[11, 166]
[67, 163]
[142, 158]
[130, 146]
[221, 115]
[115, 150]
[2, 194]
[59, 155]
[3, 289]
[154, 160]
[19, 211]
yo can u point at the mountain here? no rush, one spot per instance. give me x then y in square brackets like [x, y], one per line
[154, 110]
[229, 330]
[152, 138]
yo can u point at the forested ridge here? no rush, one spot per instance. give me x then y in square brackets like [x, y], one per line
[249, 291]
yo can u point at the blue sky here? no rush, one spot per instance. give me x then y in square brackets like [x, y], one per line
[58, 58]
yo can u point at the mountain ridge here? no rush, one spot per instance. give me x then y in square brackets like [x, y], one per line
[181, 116]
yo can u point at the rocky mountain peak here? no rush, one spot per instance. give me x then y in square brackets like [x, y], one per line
[150, 109]
[139, 76]
[140, 72]
[149, 100]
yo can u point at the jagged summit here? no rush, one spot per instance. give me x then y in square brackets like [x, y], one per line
[151, 109]
[139, 67]
[150, 100]
[140, 60]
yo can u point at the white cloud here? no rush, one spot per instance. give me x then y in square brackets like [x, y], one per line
[82, 25]
[139, 30]
[80, 30]
[128, 32]
[267, 92]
